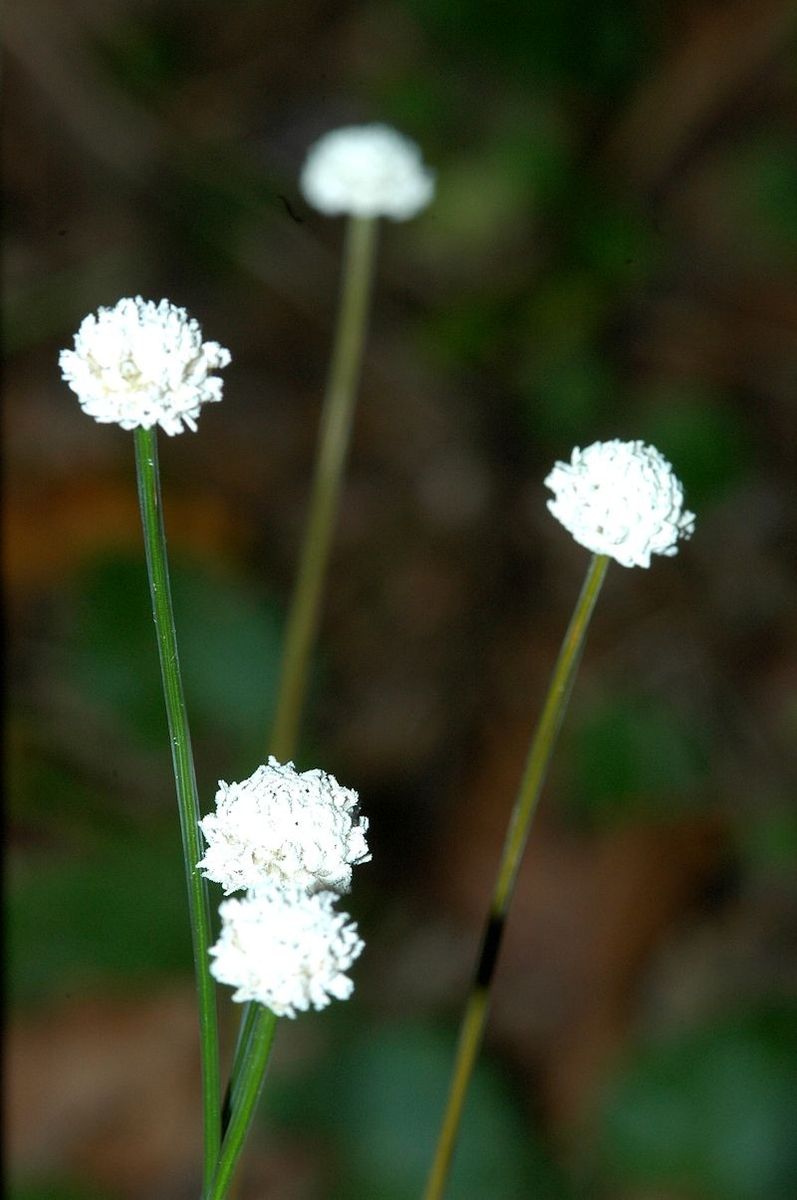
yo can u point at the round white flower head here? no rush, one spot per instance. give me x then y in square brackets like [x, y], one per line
[141, 364]
[368, 171]
[621, 499]
[281, 826]
[285, 949]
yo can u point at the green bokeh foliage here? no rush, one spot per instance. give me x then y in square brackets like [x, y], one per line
[708, 1113]
[228, 641]
[378, 1098]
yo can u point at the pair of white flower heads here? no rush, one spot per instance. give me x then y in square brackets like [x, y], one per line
[289, 840]
[142, 364]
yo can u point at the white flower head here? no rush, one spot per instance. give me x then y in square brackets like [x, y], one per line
[368, 171]
[285, 949]
[621, 499]
[141, 364]
[284, 827]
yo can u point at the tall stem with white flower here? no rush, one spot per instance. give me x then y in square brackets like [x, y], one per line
[142, 365]
[362, 172]
[621, 500]
[537, 763]
[185, 781]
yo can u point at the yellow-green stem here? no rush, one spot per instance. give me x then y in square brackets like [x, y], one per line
[185, 781]
[334, 437]
[539, 757]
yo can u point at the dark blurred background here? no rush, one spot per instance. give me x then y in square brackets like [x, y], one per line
[612, 252]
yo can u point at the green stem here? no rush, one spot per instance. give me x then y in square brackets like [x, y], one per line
[231, 1096]
[149, 496]
[246, 1093]
[539, 757]
[334, 436]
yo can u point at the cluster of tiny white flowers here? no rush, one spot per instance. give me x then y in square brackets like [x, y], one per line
[285, 949]
[285, 827]
[621, 499]
[141, 364]
[367, 171]
[288, 839]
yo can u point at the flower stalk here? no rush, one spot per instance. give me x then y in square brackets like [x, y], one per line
[334, 438]
[245, 1092]
[232, 1096]
[148, 476]
[539, 757]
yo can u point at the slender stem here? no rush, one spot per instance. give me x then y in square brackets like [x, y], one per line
[539, 757]
[185, 780]
[231, 1096]
[246, 1093]
[336, 420]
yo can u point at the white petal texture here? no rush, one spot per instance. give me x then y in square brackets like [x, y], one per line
[141, 364]
[286, 950]
[367, 171]
[621, 499]
[284, 827]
